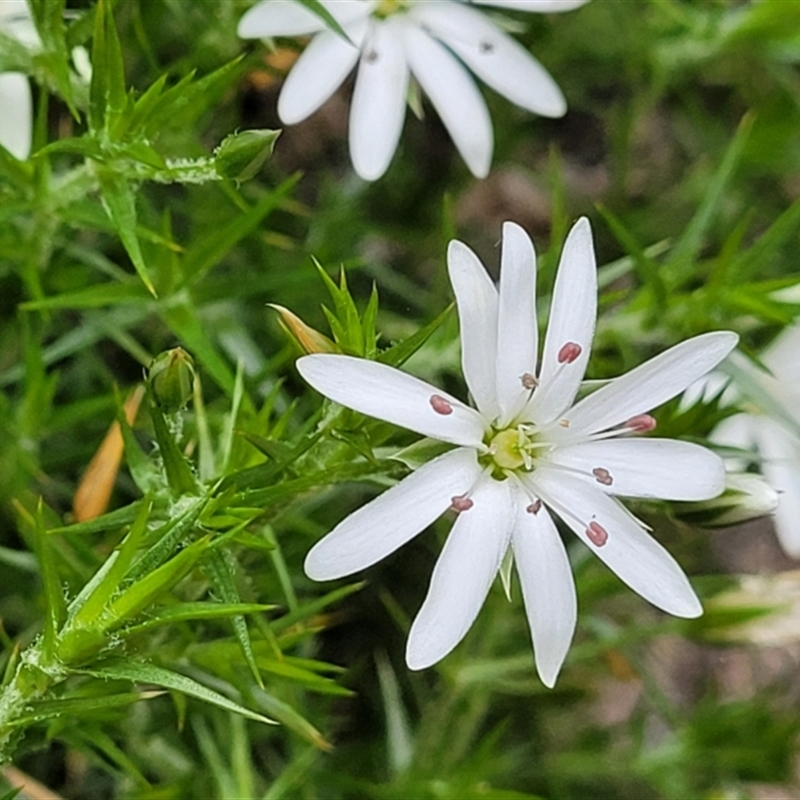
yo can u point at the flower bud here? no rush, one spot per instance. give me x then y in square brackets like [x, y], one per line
[241, 155]
[746, 496]
[760, 609]
[311, 340]
[170, 379]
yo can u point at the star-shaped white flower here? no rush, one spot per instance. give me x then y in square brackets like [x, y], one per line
[436, 41]
[16, 108]
[528, 450]
[770, 429]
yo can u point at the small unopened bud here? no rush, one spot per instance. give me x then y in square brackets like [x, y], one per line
[241, 155]
[760, 609]
[746, 496]
[312, 341]
[171, 378]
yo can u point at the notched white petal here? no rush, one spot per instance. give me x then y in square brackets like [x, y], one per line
[568, 342]
[379, 100]
[649, 385]
[614, 535]
[318, 73]
[493, 56]
[393, 518]
[517, 332]
[463, 574]
[547, 586]
[387, 393]
[655, 468]
[477, 301]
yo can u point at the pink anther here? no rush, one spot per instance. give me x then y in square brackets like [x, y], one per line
[597, 534]
[569, 352]
[642, 423]
[603, 476]
[461, 503]
[534, 507]
[440, 405]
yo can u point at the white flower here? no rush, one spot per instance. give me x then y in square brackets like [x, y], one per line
[526, 451]
[16, 108]
[436, 41]
[771, 429]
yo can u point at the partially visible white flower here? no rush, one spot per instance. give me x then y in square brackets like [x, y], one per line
[769, 426]
[16, 107]
[528, 450]
[436, 41]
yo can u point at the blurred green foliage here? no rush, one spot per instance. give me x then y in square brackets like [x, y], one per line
[144, 649]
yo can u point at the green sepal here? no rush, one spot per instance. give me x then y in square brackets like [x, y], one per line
[178, 471]
[119, 669]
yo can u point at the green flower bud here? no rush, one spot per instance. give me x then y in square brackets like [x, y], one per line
[241, 155]
[170, 379]
[746, 496]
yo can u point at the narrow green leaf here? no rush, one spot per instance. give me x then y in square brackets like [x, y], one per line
[220, 567]
[316, 7]
[56, 607]
[398, 353]
[120, 204]
[314, 607]
[76, 706]
[688, 246]
[189, 612]
[139, 672]
[291, 718]
[104, 523]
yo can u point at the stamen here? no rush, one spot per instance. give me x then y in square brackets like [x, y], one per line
[528, 380]
[371, 57]
[564, 423]
[597, 534]
[642, 423]
[603, 476]
[534, 507]
[461, 503]
[569, 353]
[440, 405]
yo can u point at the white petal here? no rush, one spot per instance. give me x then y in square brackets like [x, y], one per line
[650, 384]
[476, 298]
[781, 467]
[781, 356]
[547, 588]
[663, 468]
[463, 574]
[635, 556]
[573, 312]
[393, 518]
[393, 396]
[535, 6]
[454, 96]
[493, 56]
[290, 18]
[736, 431]
[16, 114]
[16, 21]
[517, 331]
[379, 100]
[319, 72]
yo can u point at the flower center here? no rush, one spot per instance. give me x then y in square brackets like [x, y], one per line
[388, 7]
[513, 448]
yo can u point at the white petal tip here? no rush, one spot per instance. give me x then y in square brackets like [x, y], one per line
[548, 676]
[688, 608]
[418, 661]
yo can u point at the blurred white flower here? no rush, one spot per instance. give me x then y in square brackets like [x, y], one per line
[770, 425]
[525, 452]
[16, 109]
[436, 41]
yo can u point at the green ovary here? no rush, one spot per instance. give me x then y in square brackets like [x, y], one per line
[506, 448]
[388, 7]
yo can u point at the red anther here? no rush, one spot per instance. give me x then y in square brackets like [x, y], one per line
[602, 475]
[461, 503]
[569, 352]
[440, 405]
[534, 507]
[597, 534]
[642, 423]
